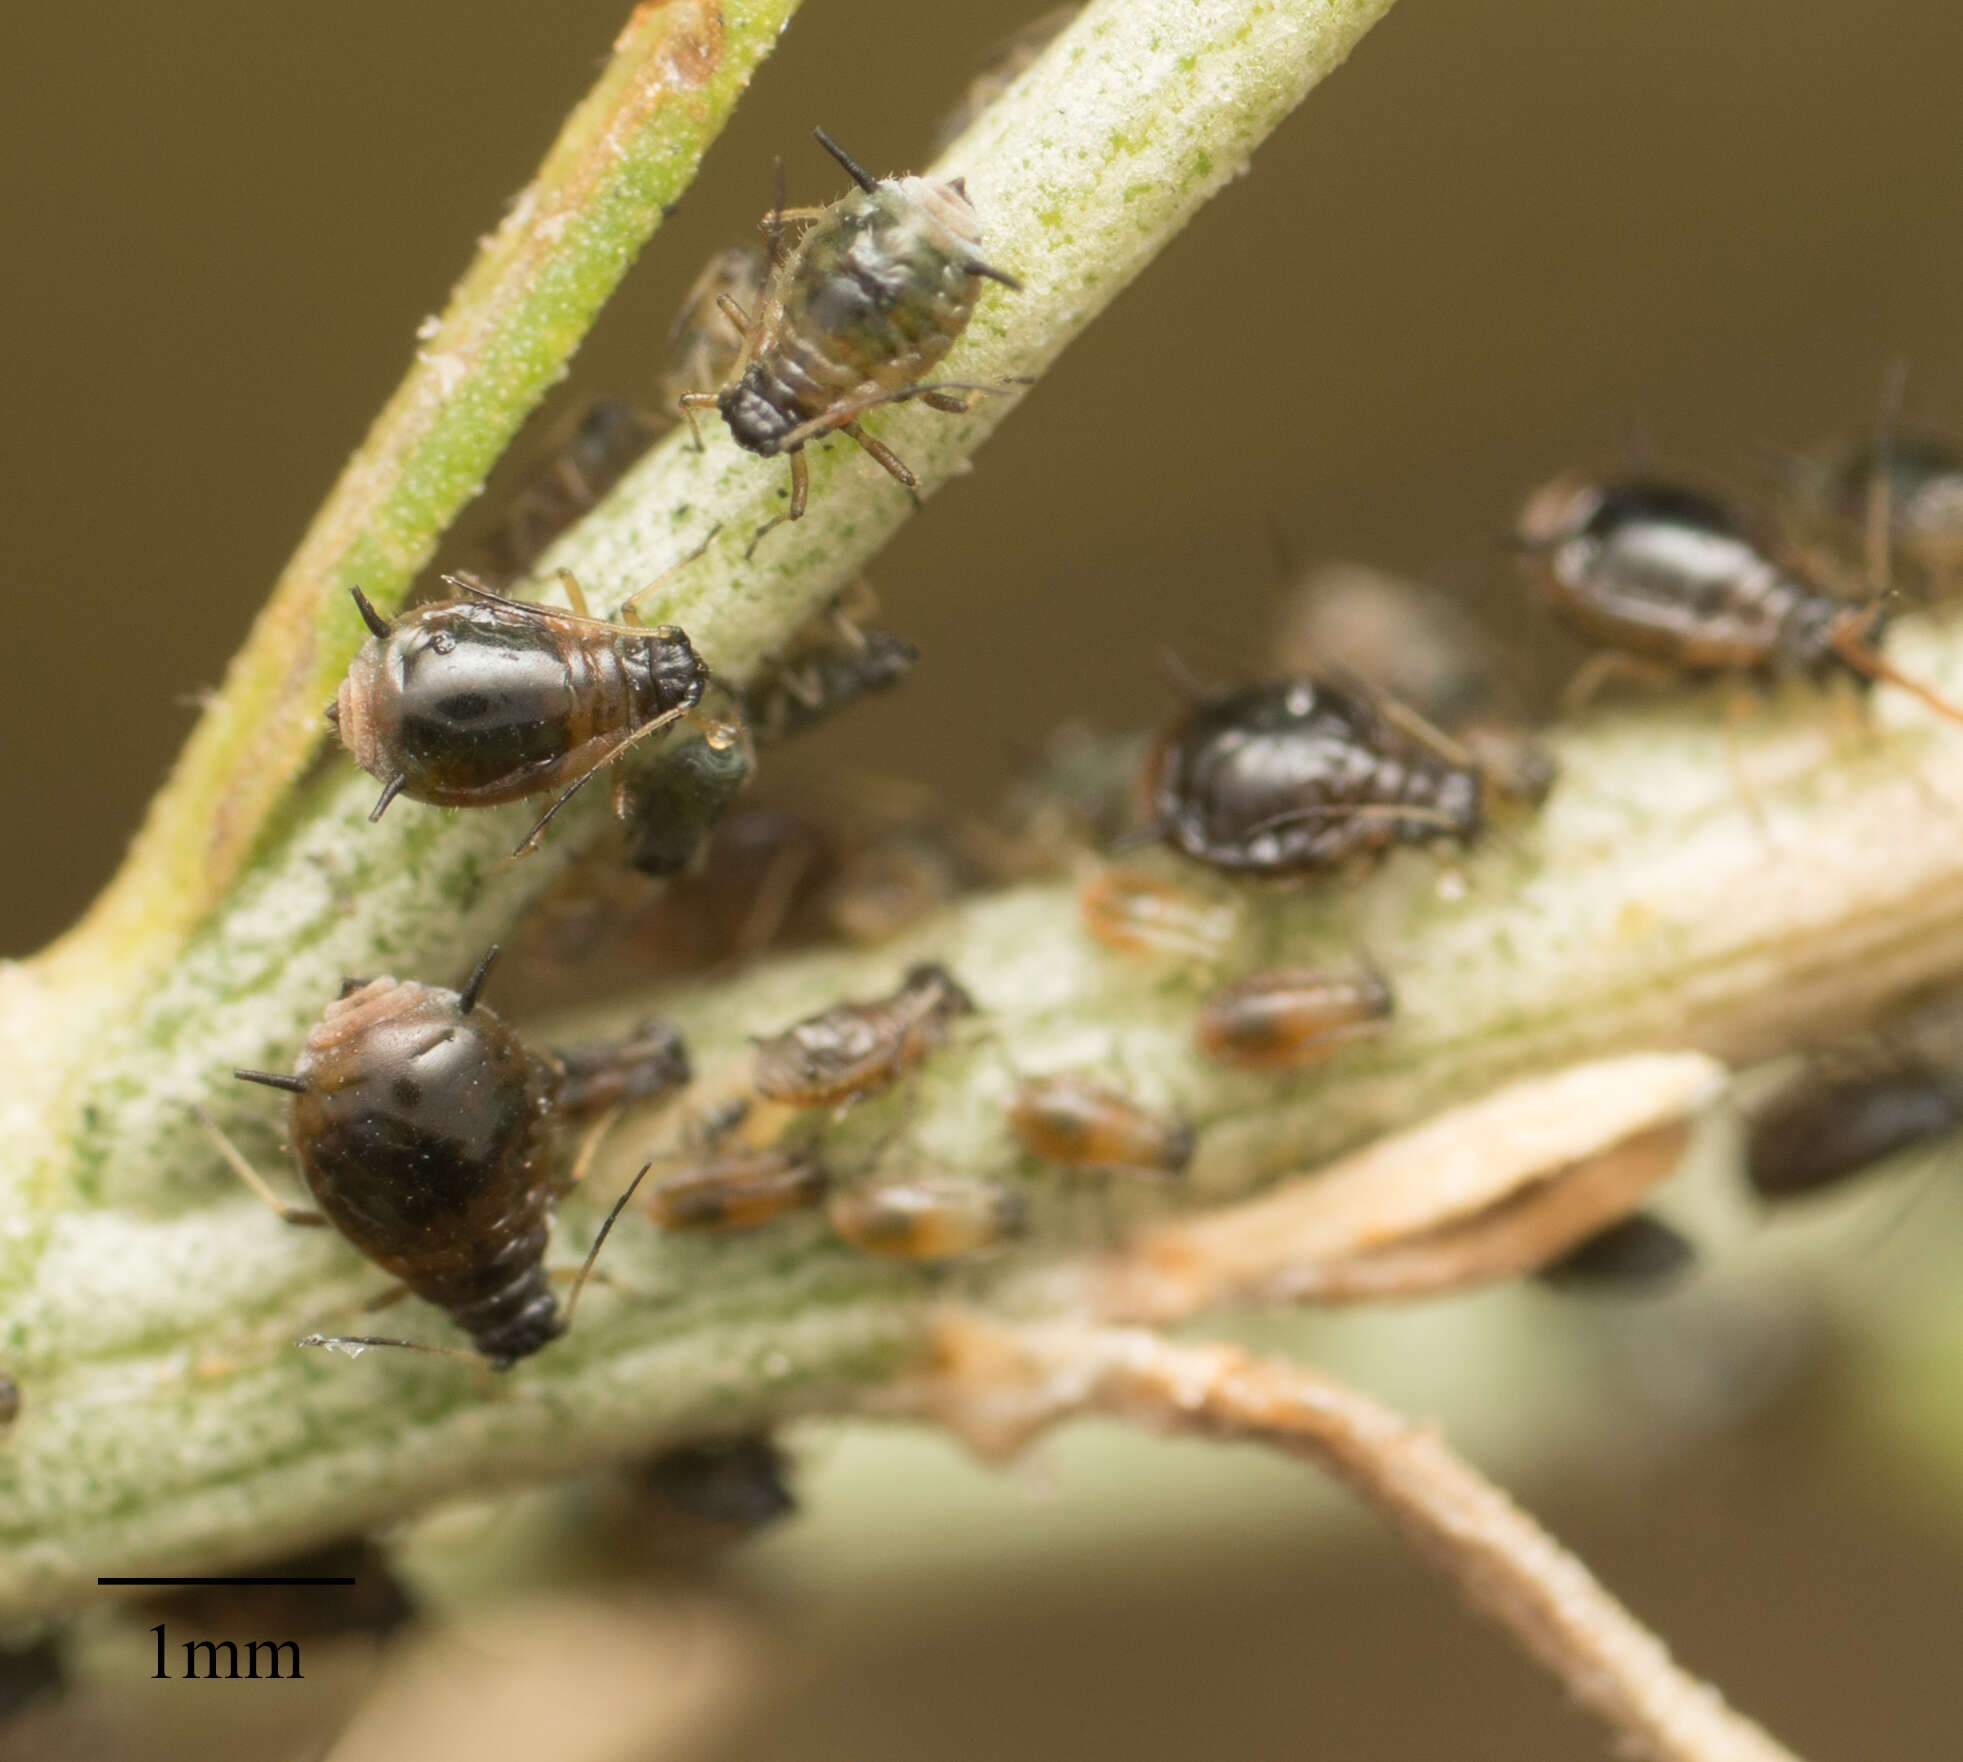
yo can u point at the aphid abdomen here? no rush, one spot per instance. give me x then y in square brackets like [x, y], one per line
[511, 1321]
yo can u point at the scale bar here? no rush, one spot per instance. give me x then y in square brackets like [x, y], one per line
[224, 1581]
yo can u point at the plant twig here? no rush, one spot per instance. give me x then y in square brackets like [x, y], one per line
[998, 1386]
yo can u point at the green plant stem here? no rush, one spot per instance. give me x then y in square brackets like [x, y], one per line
[148, 1306]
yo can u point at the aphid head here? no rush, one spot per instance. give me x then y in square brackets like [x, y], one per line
[755, 423]
[932, 980]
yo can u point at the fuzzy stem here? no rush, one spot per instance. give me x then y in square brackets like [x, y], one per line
[148, 1306]
[1000, 1386]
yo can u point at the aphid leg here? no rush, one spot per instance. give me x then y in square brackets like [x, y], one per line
[800, 495]
[953, 403]
[1607, 664]
[530, 841]
[575, 594]
[1851, 644]
[256, 1182]
[689, 403]
[772, 904]
[589, 1147]
[886, 459]
[777, 216]
[727, 305]
[840, 414]
[600, 1241]
[629, 607]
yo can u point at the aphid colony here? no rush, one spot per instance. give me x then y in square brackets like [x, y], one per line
[429, 1134]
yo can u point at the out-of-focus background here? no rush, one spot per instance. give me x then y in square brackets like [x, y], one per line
[1502, 241]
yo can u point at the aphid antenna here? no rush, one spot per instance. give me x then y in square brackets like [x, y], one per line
[600, 1241]
[841, 415]
[473, 987]
[1851, 644]
[853, 169]
[378, 626]
[531, 839]
[1174, 671]
[361, 1342]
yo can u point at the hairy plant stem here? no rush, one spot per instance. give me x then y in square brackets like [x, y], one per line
[147, 1305]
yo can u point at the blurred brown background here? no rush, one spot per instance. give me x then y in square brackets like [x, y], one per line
[1503, 240]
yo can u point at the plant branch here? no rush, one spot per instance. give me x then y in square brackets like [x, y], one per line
[999, 1386]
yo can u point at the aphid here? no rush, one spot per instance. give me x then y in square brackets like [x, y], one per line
[835, 659]
[9, 1400]
[1291, 776]
[1665, 575]
[1136, 913]
[607, 437]
[856, 1050]
[422, 1126]
[479, 700]
[1834, 1118]
[737, 1482]
[648, 1064]
[1290, 1017]
[1639, 1254]
[704, 341]
[30, 1670]
[929, 1219]
[1418, 646]
[678, 792]
[740, 1188]
[1918, 481]
[867, 302]
[1069, 1119]
[890, 886]
[1004, 65]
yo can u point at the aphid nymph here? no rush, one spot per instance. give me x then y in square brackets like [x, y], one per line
[1836, 1117]
[1290, 1017]
[855, 315]
[1073, 1120]
[931, 1220]
[856, 1050]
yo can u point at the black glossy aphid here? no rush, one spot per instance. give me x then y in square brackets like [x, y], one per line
[1295, 775]
[855, 315]
[607, 437]
[676, 795]
[1638, 1254]
[855, 1050]
[483, 699]
[1667, 575]
[648, 1064]
[1832, 1119]
[422, 1126]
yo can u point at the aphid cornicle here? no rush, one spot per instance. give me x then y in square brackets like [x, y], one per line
[1835, 1118]
[872, 296]
[1666, 575]
[930, 1220]
[1290, 1017]
[483, 699]
[856, 1050]
[1070, 1119]
[423, 1127]
[1291, 776]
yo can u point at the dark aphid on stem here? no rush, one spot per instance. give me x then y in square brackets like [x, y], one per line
[1637, 1256]
[1006, 63]
[1836, 1117]
[834, 659]
[607, 437]
[1292, 776]
[377, 1604]
[929, 1220]
[868, 301]
[30, 1671]
[704, 341]
[856, 1050]
[677, 792]
[480, 700]
[1290, 1017]
[1141, 914]
[737, 1484]
[1071, 1119]
[423, 1128]
[1663, 575]
[650, 1064]
[9, 1400]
